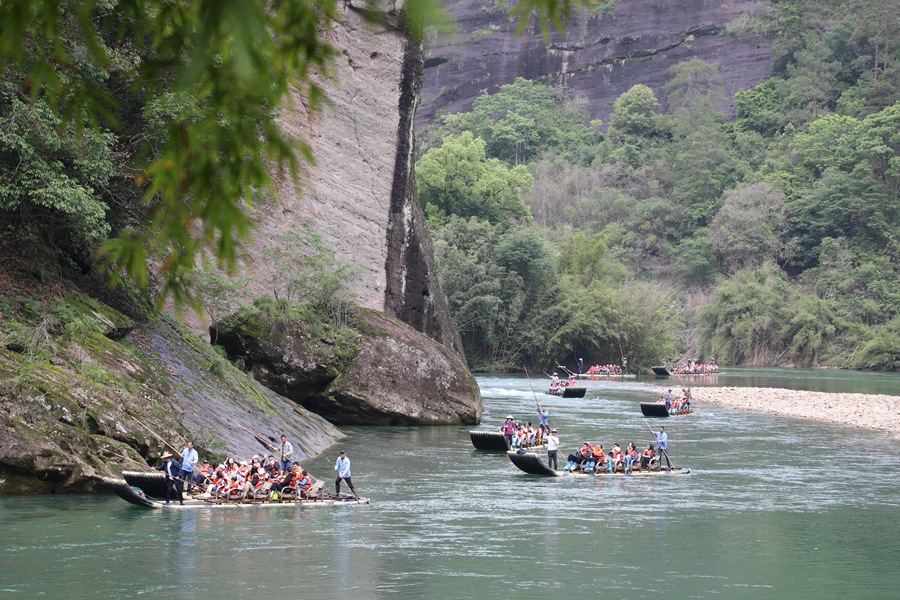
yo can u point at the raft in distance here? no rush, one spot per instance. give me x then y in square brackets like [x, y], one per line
[533, 464]
[655, 409]
[571, 392]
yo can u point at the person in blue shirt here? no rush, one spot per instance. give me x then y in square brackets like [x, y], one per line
[669, 402]
[342, 467]
[662, 443]
[580, 365]
[543, 417]
[189, 459]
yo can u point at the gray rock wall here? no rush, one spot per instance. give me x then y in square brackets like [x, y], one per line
[599, 57]
[360, 195]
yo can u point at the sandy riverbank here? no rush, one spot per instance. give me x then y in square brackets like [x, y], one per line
[868, 411]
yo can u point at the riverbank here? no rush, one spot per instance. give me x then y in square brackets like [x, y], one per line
[869, 411]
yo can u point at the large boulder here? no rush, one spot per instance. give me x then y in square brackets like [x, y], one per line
[389, 374]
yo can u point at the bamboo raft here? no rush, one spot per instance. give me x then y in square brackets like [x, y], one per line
[491, 441]
[153, 487]
[531, 463]
[571, 392]
[488, 440]
[655, 409]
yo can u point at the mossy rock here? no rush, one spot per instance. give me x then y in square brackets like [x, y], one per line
[115, 325]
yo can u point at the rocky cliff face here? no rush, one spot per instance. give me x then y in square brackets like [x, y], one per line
[360, 195]
[598, 56]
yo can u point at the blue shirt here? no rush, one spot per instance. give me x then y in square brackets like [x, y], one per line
[343, 467]
[190, 459]
[542, 416]
[662, 440]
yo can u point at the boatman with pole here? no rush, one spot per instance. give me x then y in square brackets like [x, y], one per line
[552, 450]
[173, 478]
[662, 443]
[580, 365]
[543, 417]
[342, 466]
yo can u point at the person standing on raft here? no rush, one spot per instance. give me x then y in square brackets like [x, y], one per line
[662, 443]
[342, 467]
[543, 417]
[552, 450]
[189, 459]
[172, 469]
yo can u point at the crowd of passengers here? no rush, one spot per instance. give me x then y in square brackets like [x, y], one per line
[591, 458]
[676, 405]
[692, 368]
[557, 385]
[245, 479]
[521, 435]
[605, 370]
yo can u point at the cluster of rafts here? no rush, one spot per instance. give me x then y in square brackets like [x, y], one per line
[532, 460]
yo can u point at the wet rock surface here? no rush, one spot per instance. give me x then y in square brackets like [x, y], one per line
[393, 375]
[598, 56]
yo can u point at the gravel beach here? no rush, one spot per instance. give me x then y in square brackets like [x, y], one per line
[869, 411]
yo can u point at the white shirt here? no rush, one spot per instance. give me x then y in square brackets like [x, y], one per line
[552, 442]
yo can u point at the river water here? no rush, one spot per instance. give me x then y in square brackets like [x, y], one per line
[774, 508]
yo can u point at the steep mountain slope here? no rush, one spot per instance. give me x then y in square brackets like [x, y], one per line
[598, 56]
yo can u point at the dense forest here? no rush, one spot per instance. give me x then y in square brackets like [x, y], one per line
[675, 231]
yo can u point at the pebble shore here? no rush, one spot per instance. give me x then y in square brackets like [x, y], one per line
[868, 411]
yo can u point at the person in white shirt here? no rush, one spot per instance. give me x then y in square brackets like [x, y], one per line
[552, 449]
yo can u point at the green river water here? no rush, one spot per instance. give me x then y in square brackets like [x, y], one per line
[774, 508]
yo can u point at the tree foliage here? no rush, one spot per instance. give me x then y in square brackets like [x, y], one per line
[524, 118]
[192, 90]
[458, 179]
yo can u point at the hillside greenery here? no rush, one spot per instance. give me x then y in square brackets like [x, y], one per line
[765, 238]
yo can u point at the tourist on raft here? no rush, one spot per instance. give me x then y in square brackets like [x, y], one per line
[509, 430]
[579, 457]
[614, 457]
[631, 456]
